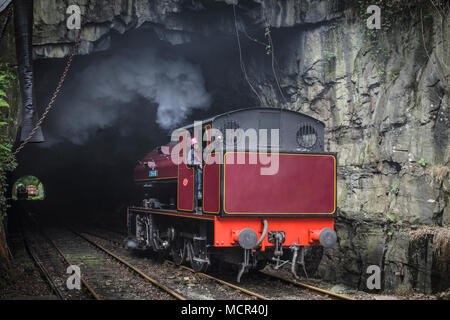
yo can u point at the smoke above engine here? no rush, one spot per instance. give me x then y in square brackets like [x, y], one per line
[97, 95]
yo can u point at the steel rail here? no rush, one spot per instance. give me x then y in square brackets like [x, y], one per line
[42, 268]
[251, 293]
[90, 289]
[116, 243]
[84, 282]
[141, 273]
[302, 284]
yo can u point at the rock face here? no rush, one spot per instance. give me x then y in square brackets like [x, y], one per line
[383, 95]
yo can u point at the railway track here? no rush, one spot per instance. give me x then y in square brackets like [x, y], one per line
[102, 272]
[308, 286]
[52, 265]
[43, 270]
[226, 283]
[259, 296]
[133, 268]
[115, 241]
[250, 291]
[214, 288]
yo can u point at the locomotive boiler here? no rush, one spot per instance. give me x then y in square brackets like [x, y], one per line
[268, 191]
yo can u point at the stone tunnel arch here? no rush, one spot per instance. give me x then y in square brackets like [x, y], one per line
[28, 187]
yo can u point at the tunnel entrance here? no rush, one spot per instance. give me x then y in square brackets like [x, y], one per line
[118, 104]
[28, 188]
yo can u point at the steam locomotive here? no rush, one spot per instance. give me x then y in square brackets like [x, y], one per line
[268, 191]
[31, 190]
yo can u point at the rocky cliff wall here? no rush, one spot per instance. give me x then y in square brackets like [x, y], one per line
[384, 96]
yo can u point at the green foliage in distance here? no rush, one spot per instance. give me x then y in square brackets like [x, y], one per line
[26, 181]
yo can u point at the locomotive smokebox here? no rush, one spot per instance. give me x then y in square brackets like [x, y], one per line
[247, 238]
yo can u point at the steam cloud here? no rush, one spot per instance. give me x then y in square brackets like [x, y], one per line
[99, 93]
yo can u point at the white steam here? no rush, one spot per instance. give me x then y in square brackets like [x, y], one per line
[100, 91]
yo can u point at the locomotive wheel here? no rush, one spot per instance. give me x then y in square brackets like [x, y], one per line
[178, 252]
[197, 256]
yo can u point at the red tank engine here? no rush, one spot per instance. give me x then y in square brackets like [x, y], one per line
[268, 191]
[31, 189]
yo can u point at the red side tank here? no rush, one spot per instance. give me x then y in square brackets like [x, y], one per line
[156, 165]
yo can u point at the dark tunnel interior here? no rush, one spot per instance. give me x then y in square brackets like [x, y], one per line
[91, 178]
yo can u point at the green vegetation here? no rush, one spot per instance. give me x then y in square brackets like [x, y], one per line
[373, 37]
[7, 160]
[393, 14]
[27, 181]
[392, 218]
[395, 189]
[422, 162]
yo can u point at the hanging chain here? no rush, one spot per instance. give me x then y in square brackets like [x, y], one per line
[55, 93]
